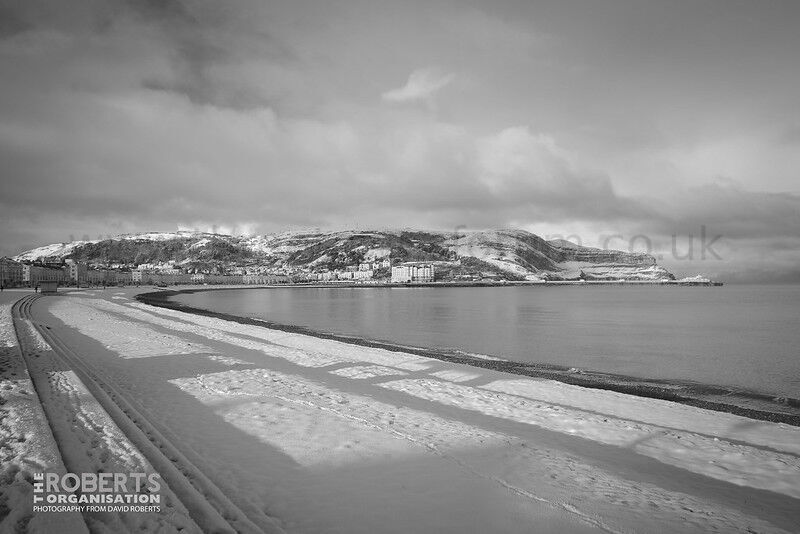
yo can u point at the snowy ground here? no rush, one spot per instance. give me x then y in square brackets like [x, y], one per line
[51, 422]
[26, 443]
[321, 436]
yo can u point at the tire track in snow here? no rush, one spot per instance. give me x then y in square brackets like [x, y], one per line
[27, 445]
[85, 434]
[208, 506]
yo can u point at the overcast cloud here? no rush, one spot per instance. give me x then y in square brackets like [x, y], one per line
[591, 119]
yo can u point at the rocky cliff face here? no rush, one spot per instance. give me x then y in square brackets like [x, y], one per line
[531, 256]
[512, 254]
[598, 264]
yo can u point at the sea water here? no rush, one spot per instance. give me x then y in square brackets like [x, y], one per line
[743, 336]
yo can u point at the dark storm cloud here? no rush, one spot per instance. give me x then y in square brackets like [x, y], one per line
[203, 40]
[190, 48]
[741, 214]
[11, 23]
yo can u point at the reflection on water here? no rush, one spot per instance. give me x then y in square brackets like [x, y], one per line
[745, 336]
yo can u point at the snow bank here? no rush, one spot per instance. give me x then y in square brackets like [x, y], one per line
[656, 412]
[28, 446]
[127, 338]
[731, 462]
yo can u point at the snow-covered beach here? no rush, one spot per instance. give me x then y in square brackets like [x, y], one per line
[274, 430]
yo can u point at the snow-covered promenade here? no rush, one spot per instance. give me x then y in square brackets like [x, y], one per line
[255, 429]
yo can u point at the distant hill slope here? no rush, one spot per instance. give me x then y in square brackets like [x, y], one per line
[513, 254]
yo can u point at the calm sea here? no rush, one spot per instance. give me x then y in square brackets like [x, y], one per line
[740, 336]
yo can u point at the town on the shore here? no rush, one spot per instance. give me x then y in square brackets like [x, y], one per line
[57, 271]
[69, 272]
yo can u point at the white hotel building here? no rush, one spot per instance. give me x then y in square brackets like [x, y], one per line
[412, 272]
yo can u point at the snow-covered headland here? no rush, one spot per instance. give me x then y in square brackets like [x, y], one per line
[285, 431]
[508, 254]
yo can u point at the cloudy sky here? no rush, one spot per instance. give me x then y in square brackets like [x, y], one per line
[611, 122]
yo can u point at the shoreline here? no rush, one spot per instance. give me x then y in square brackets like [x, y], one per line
[492, 283]
[737, 401]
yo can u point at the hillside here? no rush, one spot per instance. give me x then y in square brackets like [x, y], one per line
[511, 254]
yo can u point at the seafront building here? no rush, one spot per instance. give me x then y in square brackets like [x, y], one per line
[26, 273]
[344, 276]
[259, 279]
[49, 274]
[76, 273]
[11, 272]
[413, 272]
[108, 277]
[77, 270]
[34, 275]
[363, 275]
[72, 272]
